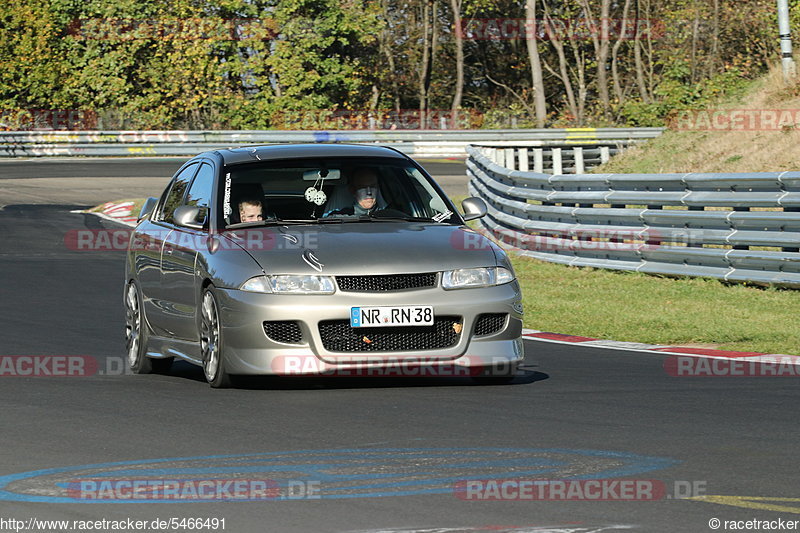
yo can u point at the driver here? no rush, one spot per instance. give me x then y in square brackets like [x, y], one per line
[364, 188]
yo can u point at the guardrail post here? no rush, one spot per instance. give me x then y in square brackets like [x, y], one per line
[579, 168]
[557, 168]
[510, 159]
[741, 246]
[538, 160]
[523, 159]
[604, 154]
[500, 157]
[689, 242]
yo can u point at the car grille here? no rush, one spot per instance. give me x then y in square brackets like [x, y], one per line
[390, 282]
[490, 323]
[285, 331]
[338, 336]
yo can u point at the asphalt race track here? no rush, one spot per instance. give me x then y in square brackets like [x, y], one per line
[351, 454]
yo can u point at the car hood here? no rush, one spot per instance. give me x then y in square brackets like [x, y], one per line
[367, 248]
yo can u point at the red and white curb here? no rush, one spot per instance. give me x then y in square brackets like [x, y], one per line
[576, 340]
[117, 212]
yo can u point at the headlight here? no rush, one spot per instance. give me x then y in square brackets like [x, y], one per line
[256, 284]
[464, 278]
[290, 284]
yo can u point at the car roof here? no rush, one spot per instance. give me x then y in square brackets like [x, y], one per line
[250, 154]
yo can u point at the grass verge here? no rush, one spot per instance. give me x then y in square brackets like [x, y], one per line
[635, 307]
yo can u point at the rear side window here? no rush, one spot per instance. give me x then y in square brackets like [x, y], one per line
[177, 190]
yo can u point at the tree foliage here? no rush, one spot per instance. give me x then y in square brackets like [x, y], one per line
[232, 64]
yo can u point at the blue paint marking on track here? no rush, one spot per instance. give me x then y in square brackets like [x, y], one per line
[342, 474]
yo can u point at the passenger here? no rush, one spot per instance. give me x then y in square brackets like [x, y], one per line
[250, 210]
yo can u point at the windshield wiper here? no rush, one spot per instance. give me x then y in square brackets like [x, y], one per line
[295, 221]
[399, 218]
[373, 218]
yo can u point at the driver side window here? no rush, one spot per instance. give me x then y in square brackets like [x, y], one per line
[176, 192]
[199, 194]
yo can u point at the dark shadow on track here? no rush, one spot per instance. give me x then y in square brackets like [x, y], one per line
[185, 370]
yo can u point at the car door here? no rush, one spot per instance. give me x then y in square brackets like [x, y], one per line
[154, 234]
[179, 280]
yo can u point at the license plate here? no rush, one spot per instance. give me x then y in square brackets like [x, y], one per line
[370, 317]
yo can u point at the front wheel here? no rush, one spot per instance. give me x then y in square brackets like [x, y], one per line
[211, 342]
[136, 332]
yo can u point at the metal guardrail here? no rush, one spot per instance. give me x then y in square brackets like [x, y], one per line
[420, 143]
[735, 227]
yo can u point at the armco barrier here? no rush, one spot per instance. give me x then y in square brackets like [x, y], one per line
[736, 227]
[419, 143]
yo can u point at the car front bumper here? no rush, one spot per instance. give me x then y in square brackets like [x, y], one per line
[248, 349]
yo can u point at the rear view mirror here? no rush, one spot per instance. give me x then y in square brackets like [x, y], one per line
[322, 174]
[189, 216]
[147, 208]
[474, 208]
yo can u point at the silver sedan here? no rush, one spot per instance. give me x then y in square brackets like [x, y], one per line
[320, 260]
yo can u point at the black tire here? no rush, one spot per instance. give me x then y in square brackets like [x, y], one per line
[136, 331]
[211, 342]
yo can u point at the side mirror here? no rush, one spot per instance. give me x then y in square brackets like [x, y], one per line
[147, 208]
[190, 216]
[474, 208]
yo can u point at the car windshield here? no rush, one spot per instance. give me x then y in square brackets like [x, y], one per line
[332, 190]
